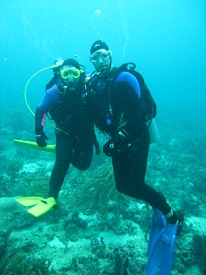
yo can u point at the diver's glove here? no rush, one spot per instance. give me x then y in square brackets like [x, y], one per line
[116, 144]
[40, 136]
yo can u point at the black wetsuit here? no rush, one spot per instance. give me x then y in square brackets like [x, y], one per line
[71, 114]
[127, 109]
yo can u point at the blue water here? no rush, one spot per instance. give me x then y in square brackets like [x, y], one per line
[167, 41]
[165, 38]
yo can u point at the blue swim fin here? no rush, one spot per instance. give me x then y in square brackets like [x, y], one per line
[161, 245]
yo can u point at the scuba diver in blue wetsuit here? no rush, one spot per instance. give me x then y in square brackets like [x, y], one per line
[66, 100]
[123, 108]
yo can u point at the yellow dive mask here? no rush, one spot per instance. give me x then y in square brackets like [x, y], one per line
[66, 72]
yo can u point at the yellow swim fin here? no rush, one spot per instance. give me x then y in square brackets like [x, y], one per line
[42, 207]
[29, 201]
[33, 145]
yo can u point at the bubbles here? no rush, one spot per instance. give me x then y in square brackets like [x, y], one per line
[96, 13]
[77, 56]
[124, 28]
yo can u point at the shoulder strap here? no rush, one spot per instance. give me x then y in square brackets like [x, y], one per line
[128, 67]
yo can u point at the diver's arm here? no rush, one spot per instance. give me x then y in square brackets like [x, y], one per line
[49, 100]
[129, 115]
[129, 122]
[39, 123]
[134, 99]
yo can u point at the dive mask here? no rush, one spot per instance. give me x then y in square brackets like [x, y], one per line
[66, 72]
[101, 53]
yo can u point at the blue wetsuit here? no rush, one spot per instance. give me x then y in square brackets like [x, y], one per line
[122, 104]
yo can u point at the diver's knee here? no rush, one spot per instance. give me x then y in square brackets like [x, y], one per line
[82, 166]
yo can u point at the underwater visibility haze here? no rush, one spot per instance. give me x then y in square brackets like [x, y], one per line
[166, 39]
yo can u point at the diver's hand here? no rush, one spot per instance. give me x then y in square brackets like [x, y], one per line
[109, 148]
[41, 140]
[116, 144]
[40, 137]
[112, 147]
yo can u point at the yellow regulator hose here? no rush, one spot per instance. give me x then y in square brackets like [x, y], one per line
[25, 94]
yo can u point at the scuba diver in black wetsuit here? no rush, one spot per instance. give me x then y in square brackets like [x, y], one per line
[123, 110]
[66, 99]
[120, 112]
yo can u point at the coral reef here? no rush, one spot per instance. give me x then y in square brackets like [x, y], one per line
[15, 261]
[73, 217]
[95, 193]
[200, 251]
[36, 185]
[97, 230]
[13, 167]
[125, 263]
[9, 261]
[4, 235]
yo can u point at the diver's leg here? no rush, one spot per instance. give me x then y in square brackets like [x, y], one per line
[129, 171]
[83, 152]
[63, 160]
